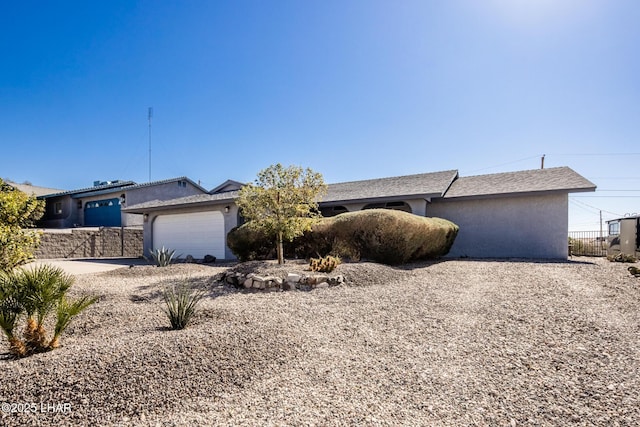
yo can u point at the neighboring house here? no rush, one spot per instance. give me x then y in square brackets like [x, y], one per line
[33, 190]
[517, 214]
[624, 236]
[101, 205]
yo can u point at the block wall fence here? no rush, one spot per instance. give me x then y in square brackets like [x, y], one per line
[102, 242]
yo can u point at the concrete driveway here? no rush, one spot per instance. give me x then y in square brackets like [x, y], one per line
[90, 265]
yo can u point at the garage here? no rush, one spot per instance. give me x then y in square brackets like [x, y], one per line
[196, 233]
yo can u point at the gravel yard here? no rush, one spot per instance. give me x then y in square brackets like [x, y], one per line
[450, 343]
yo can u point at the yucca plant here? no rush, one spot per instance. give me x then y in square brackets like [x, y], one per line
[163, 257]
[181, 303]
[35, 294]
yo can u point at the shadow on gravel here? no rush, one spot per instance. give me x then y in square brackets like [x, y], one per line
[154, 292]
[523, 260]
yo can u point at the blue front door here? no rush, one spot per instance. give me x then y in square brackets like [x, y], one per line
[102, 213]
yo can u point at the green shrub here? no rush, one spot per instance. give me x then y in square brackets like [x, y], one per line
[34, 294]
[250, 244]
[162, 257]
[324, 265]
[386, 236]
[181, 303]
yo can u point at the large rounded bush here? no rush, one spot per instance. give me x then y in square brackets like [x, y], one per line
[381, 235]
[386, 236]
[248, 243]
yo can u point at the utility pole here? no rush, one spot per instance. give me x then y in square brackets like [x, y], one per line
[150, 115]
[600, 225]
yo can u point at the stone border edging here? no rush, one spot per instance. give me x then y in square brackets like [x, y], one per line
[293, 281]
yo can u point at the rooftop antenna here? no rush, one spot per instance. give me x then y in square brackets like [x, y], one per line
[150, 115]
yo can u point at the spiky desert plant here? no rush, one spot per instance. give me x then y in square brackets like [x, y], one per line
[181, 303]
[163, 257]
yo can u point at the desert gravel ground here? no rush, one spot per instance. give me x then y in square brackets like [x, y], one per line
[448, 343]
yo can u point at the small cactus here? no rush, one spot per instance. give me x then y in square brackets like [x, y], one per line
[324, 265]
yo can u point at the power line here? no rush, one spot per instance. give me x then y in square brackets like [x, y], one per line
[586, 209]
[592, 207]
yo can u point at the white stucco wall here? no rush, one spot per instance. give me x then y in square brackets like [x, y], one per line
[230, 221]
[519, 227]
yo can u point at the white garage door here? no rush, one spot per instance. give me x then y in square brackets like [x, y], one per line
[196, 234]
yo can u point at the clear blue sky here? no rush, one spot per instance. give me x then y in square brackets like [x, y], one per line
[352, 89]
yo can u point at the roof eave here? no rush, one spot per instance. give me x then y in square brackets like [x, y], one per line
[378, 199]
[141, 209]
[521, 193]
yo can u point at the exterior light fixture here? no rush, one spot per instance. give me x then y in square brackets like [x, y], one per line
[226, 209]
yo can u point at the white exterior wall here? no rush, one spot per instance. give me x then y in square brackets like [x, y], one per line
[503, 227]
[230, 221]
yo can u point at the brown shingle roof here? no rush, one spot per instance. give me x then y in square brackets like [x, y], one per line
[562, 179]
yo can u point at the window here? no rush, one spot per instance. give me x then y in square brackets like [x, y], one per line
[57, 208]
[332, 210]
[614, 228]
[182, 184]
[397, 206]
